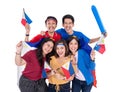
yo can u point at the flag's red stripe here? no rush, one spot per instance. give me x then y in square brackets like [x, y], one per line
[66, 72]
[23, 21]
[102, 49]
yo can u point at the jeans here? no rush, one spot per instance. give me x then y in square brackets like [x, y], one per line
[62, 87]
[80, 86]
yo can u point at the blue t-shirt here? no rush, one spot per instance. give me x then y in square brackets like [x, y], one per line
[84, 40]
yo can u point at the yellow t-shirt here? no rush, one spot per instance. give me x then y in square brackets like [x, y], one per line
[55, 65]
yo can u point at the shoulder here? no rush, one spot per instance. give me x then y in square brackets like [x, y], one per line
[57, 34]
[38, 35]
[29, 55]
[60, 30]
[78, 32]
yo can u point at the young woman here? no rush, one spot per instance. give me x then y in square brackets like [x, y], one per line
[83, 79]
[58, 82]
[31, 80]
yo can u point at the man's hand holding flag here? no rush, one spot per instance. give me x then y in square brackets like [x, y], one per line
[100, 46]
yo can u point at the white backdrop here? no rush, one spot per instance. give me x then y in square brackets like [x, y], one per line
[12, 31]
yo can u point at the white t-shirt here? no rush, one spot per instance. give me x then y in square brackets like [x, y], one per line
[79, 74]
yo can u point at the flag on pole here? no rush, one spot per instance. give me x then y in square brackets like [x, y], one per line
[46, 69]
[100, 46]
[68, 69]
[25, 18]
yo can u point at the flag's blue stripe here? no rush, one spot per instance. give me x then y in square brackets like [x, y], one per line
[97, 47]
[71, 70]
[35, 44]
[29, 21]
[44, 75]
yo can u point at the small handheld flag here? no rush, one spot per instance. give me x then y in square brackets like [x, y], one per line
[25, 18]
[98, 19]
[100, 46]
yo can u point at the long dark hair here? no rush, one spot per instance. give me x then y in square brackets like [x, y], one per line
[40, 51]
[62, 41]
[70, 39]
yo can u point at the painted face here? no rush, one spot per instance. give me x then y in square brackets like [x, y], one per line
[60, 50]
[68, 25]
[47, 47]
[51, 25]
[73, 46]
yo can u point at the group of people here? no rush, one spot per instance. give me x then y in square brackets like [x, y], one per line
[57, 47]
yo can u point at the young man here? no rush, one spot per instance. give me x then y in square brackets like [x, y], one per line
[67, 31]
[51, 24]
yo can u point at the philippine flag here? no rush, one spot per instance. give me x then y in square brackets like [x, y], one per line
[68, 69]
[46, 69]
[27, 46]
[100, 46]
[25, 18]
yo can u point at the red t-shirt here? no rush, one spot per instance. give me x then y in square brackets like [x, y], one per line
[33, 70]
[38, 37]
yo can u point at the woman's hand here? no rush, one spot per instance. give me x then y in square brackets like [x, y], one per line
[19, 47]
[73, 59]
[92, 55]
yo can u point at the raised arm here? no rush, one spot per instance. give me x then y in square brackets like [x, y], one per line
[18, 60]
[27, 28]
[97, 38]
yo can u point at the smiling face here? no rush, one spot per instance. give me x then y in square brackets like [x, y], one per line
[47, 47]
[68, 25]
[51, 25]
[73, 46]
[60, 50]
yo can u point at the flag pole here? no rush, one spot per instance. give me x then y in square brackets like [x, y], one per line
[23, 10]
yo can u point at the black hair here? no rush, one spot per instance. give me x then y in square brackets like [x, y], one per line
[51, 17]
[40, 51]
[68, 16]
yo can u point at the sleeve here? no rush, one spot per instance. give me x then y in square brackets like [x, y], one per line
[84, 37]
[84, 40]
[26, 57]
[58, 31]
[87, 48]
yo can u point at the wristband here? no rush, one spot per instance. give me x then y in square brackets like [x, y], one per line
[26, 34]
[18, 53]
